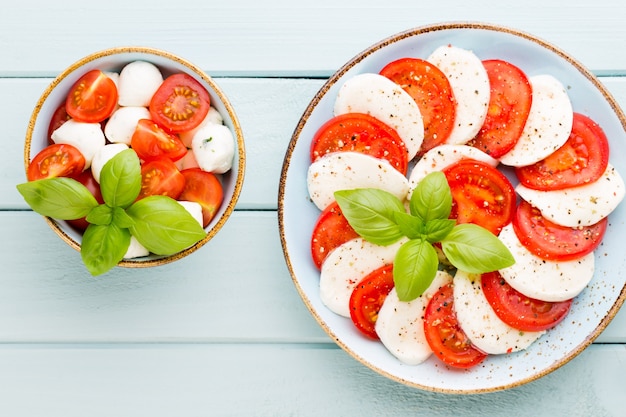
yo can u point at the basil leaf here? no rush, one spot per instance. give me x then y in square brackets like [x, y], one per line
[431, 199]
[370, 212]
[121, 218]
[410, 226]
[414, 268]
[120, 179]
[163, 226]
[436, 230]
[476, 250]
[103, 247]
[100, 215]
[60, 198]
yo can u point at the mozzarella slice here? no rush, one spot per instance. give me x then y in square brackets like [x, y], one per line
[541, 279]
[442, 156]
[214, 148]
[470, 86]
[348, 264]
[548, 126]
[86, 137]
[122, 123]
[481, 324]
[383, 99]
[106, 153]
[400, 326]
[578, 206]
[138, 81]
[350, 170]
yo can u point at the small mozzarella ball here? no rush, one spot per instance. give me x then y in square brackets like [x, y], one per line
[214, 148]
[135, 249]
[105, 154]
[213, 116]
[195, 209]
[138, 82]
[122, 123]
[88, 138]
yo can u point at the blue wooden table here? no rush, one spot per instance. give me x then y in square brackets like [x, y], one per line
[223, 331]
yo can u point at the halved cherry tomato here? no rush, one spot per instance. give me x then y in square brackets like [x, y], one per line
[581, 160]
[203, 188]
[57, 160]
[519, 311]
[161, 177]
[431, 90]
[86, 178]
[331, 230]
[554, 242]
[360, 132]
[367, 298]
[509, 105]
[152, 142]
[59, 117]
[92, 98]
[180, 103]
[480, 194]
[444, 334]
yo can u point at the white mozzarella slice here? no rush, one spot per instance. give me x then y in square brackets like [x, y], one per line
[385, 100]
[348, 264]
[213, 116]
[578, 206]
[470, 86]
[86, 137]
[214, 148]
[400, 324]
[541, 279]
[548, 126]
[442, 156]
[350, 170]
[106, 153]
[481, 324]
[122, 123]
[138, 81]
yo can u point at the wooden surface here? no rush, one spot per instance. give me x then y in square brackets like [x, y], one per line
[224, 332]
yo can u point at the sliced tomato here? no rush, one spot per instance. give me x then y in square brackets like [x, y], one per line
[519, 311]
[161, 177]
[554, 242]
[509, 105]
[59, 117]
[56, 160]
[92, 98]
[432, 92]
[444, 334]
[203, 188]
[367, 298]
[331, 230]
[152, 142]
[86, 178]
[359, 132]
[581, 160]
[180, 103]
[480, 194]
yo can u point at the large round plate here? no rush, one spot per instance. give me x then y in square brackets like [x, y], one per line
[591, 311]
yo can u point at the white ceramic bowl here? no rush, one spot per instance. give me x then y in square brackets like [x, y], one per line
[114, 59]
[591, 311]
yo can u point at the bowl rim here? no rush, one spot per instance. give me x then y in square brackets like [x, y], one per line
[236, 127]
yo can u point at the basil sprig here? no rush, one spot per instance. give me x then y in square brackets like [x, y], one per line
[381, 218]
[159, 223]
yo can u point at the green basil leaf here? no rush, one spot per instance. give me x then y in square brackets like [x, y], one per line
[436, 230]
[431, 199]
[476, 250]
[103, 247]
[120, 179]
[370, 212]
[410, 226]
[100, 215]
[414, 269]
[60, 198]
[121, 218]
[163, 226]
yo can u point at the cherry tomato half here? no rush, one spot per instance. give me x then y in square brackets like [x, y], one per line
[92, 98]
[519, 311]
[203, 188]
[151, 142]
[161, 177]
[86, 178]
[331, 230]
[368, 297]
[444, 334]
[57, 160]
[180, 103]
[554, 242]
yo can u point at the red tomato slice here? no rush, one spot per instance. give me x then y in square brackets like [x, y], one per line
[581, 160]
[57, 160]
[86, 178]
[360, 132]
[481, 195]
[92, 98]
[444, 334]
[161, 177]
[151, 142]
[203, 188]
[509, 105]
[331, 230]
[180, 103]
[554, 242]
[519, 311]
[431, 90]
[367, 298]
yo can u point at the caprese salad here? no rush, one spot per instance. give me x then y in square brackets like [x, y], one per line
[519, 160]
